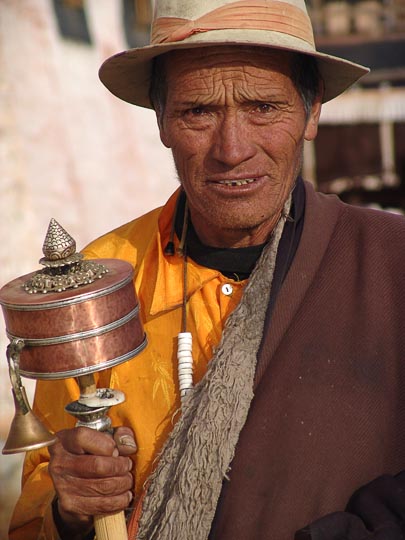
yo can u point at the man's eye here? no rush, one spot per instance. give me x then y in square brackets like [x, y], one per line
[195, 111]
[264, 108]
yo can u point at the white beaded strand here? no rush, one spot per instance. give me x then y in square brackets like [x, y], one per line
[184, 338]
[185, 363]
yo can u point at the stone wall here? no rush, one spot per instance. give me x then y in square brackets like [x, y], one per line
[68, 150]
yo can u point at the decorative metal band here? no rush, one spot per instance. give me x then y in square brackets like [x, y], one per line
[69, 301]
[62, 275]
[88, 369]
[40, 342]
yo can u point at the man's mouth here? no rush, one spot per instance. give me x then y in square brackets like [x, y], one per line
[243, 182]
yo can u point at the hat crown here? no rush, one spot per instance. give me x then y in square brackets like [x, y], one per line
[283, 23]
[188, 24]
[191, 9]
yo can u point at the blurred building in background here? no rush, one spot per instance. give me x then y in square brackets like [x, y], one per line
[360, 149]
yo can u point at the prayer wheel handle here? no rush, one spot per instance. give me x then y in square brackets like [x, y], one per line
[90, 411]
[111, 527]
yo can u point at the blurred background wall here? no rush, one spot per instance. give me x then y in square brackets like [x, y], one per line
[359, 153]
[68, 149]
[72, 151]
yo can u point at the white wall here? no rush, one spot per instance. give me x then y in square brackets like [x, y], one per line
[68, 150]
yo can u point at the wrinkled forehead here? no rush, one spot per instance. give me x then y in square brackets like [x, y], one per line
[226, 57]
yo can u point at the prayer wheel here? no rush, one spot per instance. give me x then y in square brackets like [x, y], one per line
[71, 319]
[76, 331]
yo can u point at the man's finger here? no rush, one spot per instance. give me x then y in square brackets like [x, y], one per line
[88, 466]
[94, 505]
[125, 441]
[95, 487]
[83, 440]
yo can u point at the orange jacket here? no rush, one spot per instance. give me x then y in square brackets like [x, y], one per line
[149, 381]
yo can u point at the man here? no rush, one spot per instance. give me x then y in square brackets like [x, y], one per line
[294, 302]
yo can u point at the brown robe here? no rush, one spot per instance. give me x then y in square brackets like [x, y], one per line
[329, 409]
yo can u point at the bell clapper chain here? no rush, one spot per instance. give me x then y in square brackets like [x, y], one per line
[13, 357]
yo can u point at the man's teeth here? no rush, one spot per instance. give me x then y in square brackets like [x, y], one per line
[237, 182]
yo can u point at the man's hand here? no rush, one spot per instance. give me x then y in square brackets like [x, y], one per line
[91, 474]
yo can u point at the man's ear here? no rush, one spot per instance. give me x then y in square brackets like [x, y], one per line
[311, 128]
[160, 123]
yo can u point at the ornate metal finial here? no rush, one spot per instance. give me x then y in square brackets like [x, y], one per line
[65, 268]
[59, 247]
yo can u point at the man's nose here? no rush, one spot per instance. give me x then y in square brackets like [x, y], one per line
[232, 142]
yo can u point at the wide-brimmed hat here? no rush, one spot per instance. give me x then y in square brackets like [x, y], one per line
[188, 24]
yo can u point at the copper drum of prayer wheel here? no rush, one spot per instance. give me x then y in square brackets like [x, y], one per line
[75, 316]
[70, 319]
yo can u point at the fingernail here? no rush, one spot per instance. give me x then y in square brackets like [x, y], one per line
[115, 452]
[127, 440]
[130, 496]
[130, 464]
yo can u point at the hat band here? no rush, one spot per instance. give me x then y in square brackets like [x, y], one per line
[273, 15]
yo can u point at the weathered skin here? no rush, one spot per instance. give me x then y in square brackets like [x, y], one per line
[91, 475]
[233, 113]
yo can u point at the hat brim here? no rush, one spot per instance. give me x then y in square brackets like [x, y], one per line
[128, 74]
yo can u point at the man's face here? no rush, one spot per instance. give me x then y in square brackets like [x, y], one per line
[236, 124]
